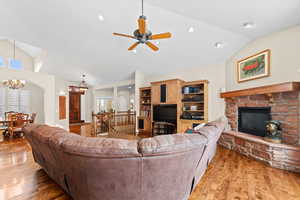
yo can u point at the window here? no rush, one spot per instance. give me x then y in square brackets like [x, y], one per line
[1, 62]
[2, 102]
[14, 100]
[24, 100]
[15, 64]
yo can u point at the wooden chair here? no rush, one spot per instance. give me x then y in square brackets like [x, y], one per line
[5, 125]
[16, 122]
[33, 117]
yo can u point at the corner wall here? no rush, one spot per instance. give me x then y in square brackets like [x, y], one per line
[285, 62]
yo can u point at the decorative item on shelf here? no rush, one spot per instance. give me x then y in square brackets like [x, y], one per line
[254, 67]
[194, 108]
[83, 85]
[143, 35]
[193, 98]
[274, 131]
[14, 84]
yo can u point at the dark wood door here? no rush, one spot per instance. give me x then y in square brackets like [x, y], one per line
[74, 107]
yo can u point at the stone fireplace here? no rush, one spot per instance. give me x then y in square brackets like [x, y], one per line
[284, 107]
[247, 111]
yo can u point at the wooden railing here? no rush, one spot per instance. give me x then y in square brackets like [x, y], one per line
[115, 122]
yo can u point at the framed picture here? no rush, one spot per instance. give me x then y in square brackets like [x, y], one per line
[254, 67]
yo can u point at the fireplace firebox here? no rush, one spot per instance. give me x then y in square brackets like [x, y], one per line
[252, 120]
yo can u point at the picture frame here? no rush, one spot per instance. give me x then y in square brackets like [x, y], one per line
[254, 67]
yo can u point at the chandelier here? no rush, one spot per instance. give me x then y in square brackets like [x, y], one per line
[83, 85]
[14, 84]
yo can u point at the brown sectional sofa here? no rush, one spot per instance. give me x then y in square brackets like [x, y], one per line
[162, 168]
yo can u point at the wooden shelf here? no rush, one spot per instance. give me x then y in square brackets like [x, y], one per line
[196, 93]
[192, 102]
[269, 89]
[194, 110]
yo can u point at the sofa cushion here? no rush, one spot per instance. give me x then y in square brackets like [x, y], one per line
[212, 130]
[167, 144]
[100, 147]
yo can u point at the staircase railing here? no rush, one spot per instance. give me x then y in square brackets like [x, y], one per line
[115, 123]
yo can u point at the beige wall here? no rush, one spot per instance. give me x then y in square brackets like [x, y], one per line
[36, 101]
[6, 51]
[216, 76]
[285, 62]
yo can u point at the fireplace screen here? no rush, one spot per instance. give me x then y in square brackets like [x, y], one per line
[253, 120]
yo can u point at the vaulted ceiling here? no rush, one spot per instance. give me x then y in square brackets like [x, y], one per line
[77, 42]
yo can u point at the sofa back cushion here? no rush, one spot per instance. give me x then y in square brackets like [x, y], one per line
[100, 147]
[212, 130]
[167, 144]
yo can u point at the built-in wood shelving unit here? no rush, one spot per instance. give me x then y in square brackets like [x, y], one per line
[194, 104]
[144, 119]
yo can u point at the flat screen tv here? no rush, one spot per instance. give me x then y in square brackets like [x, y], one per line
[165, 113]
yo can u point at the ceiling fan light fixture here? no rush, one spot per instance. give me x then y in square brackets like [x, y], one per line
[219, 45]
[249, 25]
[100, 17]
[191, 30]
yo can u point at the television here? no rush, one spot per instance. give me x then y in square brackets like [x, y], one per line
[165, 113]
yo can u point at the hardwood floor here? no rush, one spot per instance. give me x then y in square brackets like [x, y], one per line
[230, 176]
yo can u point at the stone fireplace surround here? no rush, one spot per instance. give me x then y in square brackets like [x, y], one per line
[284, 100]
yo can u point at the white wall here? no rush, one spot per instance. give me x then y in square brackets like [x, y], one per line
[89, 102]
[36, 101]
[215, 74]
[61, 89]
[285, 62]
[6, 51]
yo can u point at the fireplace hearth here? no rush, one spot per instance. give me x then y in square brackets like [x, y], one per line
[252, 120]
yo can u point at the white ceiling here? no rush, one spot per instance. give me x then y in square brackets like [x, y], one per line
[77, 42]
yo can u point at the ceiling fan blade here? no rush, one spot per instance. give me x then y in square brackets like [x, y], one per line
[142, 25]
[124, 35]
[152, 46]
[161, 36]
[133, 46]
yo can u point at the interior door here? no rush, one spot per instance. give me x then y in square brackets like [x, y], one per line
[74, 107]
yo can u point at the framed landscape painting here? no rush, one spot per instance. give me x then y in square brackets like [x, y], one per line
[254, 67]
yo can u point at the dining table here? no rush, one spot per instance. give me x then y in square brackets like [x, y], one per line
[4, 124]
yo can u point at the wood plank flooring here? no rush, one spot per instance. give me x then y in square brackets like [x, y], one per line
[230, 176]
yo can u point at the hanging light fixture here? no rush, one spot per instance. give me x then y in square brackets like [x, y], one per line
[83, 85]
[14, 83]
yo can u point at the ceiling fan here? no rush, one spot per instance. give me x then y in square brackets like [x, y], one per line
[142, 35]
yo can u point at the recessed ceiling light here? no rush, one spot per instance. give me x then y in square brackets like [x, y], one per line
[100, 17]
[157, 42]
[248, 25]
[219, 45]
[134, 51]
[191, 29]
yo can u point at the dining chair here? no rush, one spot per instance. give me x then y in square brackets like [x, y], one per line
[16, 122]
[4, 126]
[33, 117]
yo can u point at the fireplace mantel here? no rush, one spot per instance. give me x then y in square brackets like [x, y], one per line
[269, 89]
